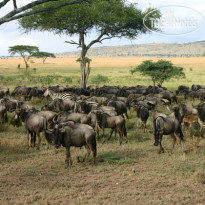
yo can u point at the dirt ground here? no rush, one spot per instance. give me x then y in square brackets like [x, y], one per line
[132, 173]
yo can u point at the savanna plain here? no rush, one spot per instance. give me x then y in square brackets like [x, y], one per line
[30, 176]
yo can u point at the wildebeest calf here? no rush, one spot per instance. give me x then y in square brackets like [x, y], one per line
[142, 114]
[114, 122]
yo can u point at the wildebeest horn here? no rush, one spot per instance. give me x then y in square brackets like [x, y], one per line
[55, 118]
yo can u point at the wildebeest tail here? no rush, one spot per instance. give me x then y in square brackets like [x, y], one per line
[157, 130]
[124, 129]
[94, 145]
[181, 136]
[6, 118]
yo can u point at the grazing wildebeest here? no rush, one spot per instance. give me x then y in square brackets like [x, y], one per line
[93, 118]
[167, 126]
[59, 105]
[76, 117]
[186, 110]
[119, 106]
[77, 135]
[109, 110]
[4, 91]
[99, 100]
[83, 106]
[3, 114]
[48, 115]
[182, 89]
[34, 124]
[114, 122]
[9, 103]
[142, 114]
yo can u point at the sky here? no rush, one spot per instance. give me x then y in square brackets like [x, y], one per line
[190, 13]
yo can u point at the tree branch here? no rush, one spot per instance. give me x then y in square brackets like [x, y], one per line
[72, 42]
[97, 40]
[3, 3]
[12, 15]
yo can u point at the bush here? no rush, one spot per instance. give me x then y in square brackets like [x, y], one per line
[99, 79]
[67, 80]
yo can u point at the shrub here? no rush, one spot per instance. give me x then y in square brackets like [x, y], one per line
[67, 80]
[99, 79]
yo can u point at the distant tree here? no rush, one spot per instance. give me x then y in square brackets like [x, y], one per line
[43, 55]
[203, 54]
[107, 18]
[159, 71]
[20, 11]
[24, 51]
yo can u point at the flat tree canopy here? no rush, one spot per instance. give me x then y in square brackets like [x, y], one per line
[20, 11]
[159, 71]
[43, 55]
[107, 18]
[24, 51]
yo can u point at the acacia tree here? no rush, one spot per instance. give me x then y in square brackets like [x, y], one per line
[19, 12]
[24, 51]
[159, 71]
[107, 18]
[43, 55]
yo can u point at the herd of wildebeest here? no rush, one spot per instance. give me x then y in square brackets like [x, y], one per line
[74, 115]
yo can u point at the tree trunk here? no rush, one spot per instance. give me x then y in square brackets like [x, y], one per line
[26, 62]
[82, 62]
[44, 59]
[27, 66]
[87, 73]
[82, 80]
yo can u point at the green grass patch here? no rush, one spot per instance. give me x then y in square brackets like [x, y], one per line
[114, 158]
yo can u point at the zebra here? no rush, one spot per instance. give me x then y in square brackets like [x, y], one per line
[53, 95]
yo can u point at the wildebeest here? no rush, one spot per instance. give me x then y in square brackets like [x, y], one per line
[34, 124]
[182, 89]
[21, 90]
[76, 117]
[109, 110]
[142, 114]
[186, 110]
[99, 100]
[77, 135]
[114, 122]
[167, 126]
[201, 114]
[9, 103]
[156, 113]
[84, 106]
[120, 107]
[4, 91]
[3, 114]
[59, 105]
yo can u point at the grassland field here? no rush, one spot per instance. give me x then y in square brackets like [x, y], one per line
[30, 176]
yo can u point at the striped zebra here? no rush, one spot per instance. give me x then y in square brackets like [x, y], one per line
[53, 95]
